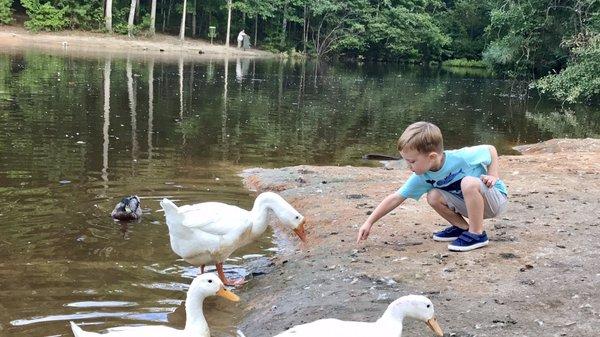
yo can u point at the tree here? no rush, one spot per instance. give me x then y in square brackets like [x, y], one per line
[194, 11]
[108, 16]
[183, 14]
[227, 37]
[44, 16]
[335, 24]
[527, 37]
[131, 17]
[153, 18]
[5, 12]
[408, 32]
[464, 22]
[255, 9]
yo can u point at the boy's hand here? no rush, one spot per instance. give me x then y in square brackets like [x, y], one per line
[488, 180]
[363, 232]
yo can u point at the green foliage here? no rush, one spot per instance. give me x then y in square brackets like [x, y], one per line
[527, 36]
[86, 15]
[407, 34]
[580, 81]
[464, 21]
[44, 16]
[5, 12]
[120, 17]
[464, 63]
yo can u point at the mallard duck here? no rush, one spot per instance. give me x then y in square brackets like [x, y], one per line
[210, 232]
[128, 209]
[195, 324]
[388, 325]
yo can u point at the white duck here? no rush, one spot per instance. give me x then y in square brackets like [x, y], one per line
[389, 325]
[195, 325]
[210, 232]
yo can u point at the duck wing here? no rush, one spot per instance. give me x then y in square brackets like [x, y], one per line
[130, 331]
[215, 218]
[324, 327]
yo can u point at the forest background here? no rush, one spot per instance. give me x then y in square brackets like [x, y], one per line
[555, 44]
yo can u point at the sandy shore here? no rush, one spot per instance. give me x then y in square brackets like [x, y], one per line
[164, 46]
[539, 276]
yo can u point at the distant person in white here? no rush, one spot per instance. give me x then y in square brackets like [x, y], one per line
[241, 38]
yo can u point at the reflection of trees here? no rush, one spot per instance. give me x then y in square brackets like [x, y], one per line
[567, 124]
[45, 120]
[150, 107]
[132, 95]
[344, 109]
[270, 117]
[106, 124]
[348, 113]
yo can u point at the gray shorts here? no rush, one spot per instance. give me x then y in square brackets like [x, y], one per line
[495, 202]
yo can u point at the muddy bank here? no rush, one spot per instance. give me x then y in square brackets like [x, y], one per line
[539, 276]
[160, 46]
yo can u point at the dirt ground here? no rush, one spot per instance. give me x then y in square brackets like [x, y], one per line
[161, 46]
[539, 276]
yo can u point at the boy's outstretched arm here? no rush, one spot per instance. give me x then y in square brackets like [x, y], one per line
[492, 175]
[385, 206]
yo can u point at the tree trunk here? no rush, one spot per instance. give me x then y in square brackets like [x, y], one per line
[137, 10]
[130, 21]
[164, 14]
[256, 31]
[283, 25]
[194, 19]
[228, 23]
[108, 16]
[183, 15]
[304, 30]
[169, 12]
[153, 18]
[200, 23]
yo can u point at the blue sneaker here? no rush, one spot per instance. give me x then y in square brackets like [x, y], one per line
[448, 234]
[469, 241]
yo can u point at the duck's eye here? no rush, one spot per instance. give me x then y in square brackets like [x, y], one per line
[428, 305]
[210, 281]
[297, 217]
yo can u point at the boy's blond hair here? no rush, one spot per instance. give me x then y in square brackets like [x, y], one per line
[423, 137]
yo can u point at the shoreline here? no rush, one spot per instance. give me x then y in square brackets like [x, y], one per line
[89, 43]
[538, 276]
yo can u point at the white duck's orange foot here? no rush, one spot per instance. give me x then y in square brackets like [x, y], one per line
[225, 280]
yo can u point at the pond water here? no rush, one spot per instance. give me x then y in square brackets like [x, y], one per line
[77, 133]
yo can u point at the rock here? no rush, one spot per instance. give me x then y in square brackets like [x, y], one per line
[507, 256]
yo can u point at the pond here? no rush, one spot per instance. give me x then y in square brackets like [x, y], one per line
[79, 132]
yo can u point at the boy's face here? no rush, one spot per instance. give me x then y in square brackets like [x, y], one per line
[419, 162]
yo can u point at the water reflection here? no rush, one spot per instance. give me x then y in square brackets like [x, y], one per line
[106, 125]
[84, 120]
[150, 107]
[241, 68]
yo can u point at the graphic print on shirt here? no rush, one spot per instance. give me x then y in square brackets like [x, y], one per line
[448, 184]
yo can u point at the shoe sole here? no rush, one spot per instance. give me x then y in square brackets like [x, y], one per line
[467, 248]
[444, 239]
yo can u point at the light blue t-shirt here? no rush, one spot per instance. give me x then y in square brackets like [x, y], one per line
[468, 161]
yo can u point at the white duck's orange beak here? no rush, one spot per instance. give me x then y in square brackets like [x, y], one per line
[433, 325]
[228, 294]
[300, 231]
